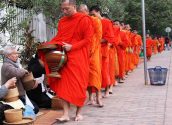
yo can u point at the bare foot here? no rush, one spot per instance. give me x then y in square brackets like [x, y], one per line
[106, 95]
[63, 119]
[110, 90]
[121, 81]
[78, 118]
[116, 83]
[91, 102]
[99, 103]
[101, 96]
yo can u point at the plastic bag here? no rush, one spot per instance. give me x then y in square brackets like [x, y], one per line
[29, 112]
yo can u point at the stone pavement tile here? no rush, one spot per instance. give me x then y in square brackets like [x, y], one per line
[48, 118]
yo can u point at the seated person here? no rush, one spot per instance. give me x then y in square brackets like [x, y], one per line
[3, 91]
[10, 69]
[39, 94]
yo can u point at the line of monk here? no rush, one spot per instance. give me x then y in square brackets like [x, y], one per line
[154, 46]
[100, 54]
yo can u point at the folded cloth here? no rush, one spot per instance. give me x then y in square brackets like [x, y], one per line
[18, 104]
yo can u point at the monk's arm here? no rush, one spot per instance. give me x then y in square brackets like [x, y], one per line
[87, 31]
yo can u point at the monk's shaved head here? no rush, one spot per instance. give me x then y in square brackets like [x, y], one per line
[68, 7]
[83, 8]
[69, 1]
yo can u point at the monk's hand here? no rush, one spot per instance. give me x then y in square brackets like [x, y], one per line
[67, 46]
[103, 41]
[110, 44]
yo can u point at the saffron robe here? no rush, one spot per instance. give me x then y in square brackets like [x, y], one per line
[149, 45]
[121, 49]
[134, 47]
[76, 30]
[117, 40]
[138, 48]
[95, 77]
[108, 35]
[162, 42]
[155, 46]
[130, 57]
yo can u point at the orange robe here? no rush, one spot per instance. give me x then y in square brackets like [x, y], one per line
[112, 64]
[161, 41]
[137, 43]
[121, 49]
[78, 31]
[128, 45]
[95, 59]
[131, 65]
[108, 35]
[117, 40]
[149, 44]
[155, 46]
[112, 53]
[138, 48]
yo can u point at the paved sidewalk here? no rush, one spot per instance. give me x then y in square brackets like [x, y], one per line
[133, 103]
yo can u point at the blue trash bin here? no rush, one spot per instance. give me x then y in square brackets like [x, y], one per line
[157, 75]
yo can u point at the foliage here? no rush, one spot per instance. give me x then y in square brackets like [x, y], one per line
[158, 15]
[114, 8]
[23, 4]
[30, 45]
[134, 15]
[7, 20]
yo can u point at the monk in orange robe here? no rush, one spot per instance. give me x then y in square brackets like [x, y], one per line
[137, 43]
[155, 45]
[140, 44]
[120, 52]
[130, 66]
[162, 42]
[106, 42]
[108, 62]
[95, 59]
[149, 45]
[126, 39]
[112, 53]
[75, 32]
[134, 45]
[121, 49]
[137, 48]
[112, 67]
[117, 40]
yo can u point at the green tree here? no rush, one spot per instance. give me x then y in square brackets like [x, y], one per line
[6, 20]
[158, 16]
[133, 16]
